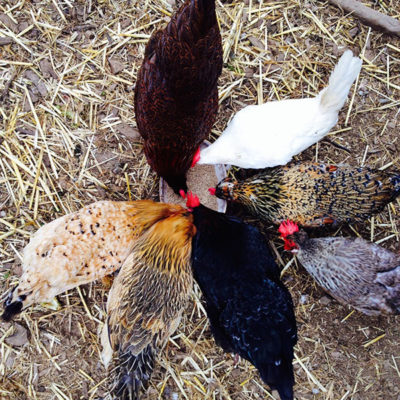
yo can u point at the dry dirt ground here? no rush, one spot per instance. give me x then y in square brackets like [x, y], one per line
[67, 77]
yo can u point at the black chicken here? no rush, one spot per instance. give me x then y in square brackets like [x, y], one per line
[249, 308]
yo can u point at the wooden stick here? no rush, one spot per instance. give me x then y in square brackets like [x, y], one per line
[368, 16]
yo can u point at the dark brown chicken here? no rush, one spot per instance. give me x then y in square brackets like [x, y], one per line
[352, 270]
[146, 301]
[313, 194]
[176, 98]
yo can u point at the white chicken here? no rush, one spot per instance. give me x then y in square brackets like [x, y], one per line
[270, 134]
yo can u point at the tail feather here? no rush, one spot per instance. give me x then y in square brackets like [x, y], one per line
[391, 280]
[393, 299]
[13, 307]
[343, 76]
[11, 310]
[193, 32]
[279, 377]
[395, 181]
[132, 373]
[196, 19]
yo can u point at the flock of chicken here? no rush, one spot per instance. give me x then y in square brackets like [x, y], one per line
[158, 248]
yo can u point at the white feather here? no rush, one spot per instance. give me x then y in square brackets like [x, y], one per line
[270, 134]
[107, 353]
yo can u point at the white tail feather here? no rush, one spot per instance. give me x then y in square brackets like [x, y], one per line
[107, 353]
[340, 81]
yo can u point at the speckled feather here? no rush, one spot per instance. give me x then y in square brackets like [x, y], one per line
[146, 301]
[313, 194]
[83, 246]
[176, 98]
[353, 271]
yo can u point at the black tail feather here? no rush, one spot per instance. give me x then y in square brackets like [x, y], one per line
[285, 392]
[11, 310]
[279, 377]
[395, 180]
[133, 373]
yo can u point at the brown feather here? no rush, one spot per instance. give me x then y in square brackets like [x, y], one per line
[148, 295]
[313, 194]
[176, 97]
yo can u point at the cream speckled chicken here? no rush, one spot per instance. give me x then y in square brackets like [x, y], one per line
[81, 247]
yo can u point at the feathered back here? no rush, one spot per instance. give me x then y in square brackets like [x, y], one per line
[176, 95]
[249, 308]
[149, 212]
[146, 302]
[167, 240]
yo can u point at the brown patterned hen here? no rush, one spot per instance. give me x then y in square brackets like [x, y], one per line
[146, 302]
[176, 97]
[313, 194]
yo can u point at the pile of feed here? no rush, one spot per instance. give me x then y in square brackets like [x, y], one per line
[68, 138]
[199, 179]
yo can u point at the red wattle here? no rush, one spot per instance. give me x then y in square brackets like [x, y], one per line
[196, 158]
[212, 191]
[192, 200]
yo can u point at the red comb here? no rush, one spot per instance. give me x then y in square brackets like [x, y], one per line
[212, 191]
[196, 158]
[182, 193]
[287, 228]
[192, 200]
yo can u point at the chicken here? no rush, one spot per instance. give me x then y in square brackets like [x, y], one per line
[249, 308]
[146, 301]
[176, 98]
[351, 270]
[313, 194]
[270, 134]
[81, 247]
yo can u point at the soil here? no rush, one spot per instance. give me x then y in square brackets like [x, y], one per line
[295, 44]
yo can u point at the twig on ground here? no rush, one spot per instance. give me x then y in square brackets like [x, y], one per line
[369, 17]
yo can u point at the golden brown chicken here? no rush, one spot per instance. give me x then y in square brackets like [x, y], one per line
[146, 302]
[176, 95]
[81, 247]
[352, 270]
[313, 194]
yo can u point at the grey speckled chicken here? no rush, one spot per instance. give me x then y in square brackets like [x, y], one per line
[352, 270]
